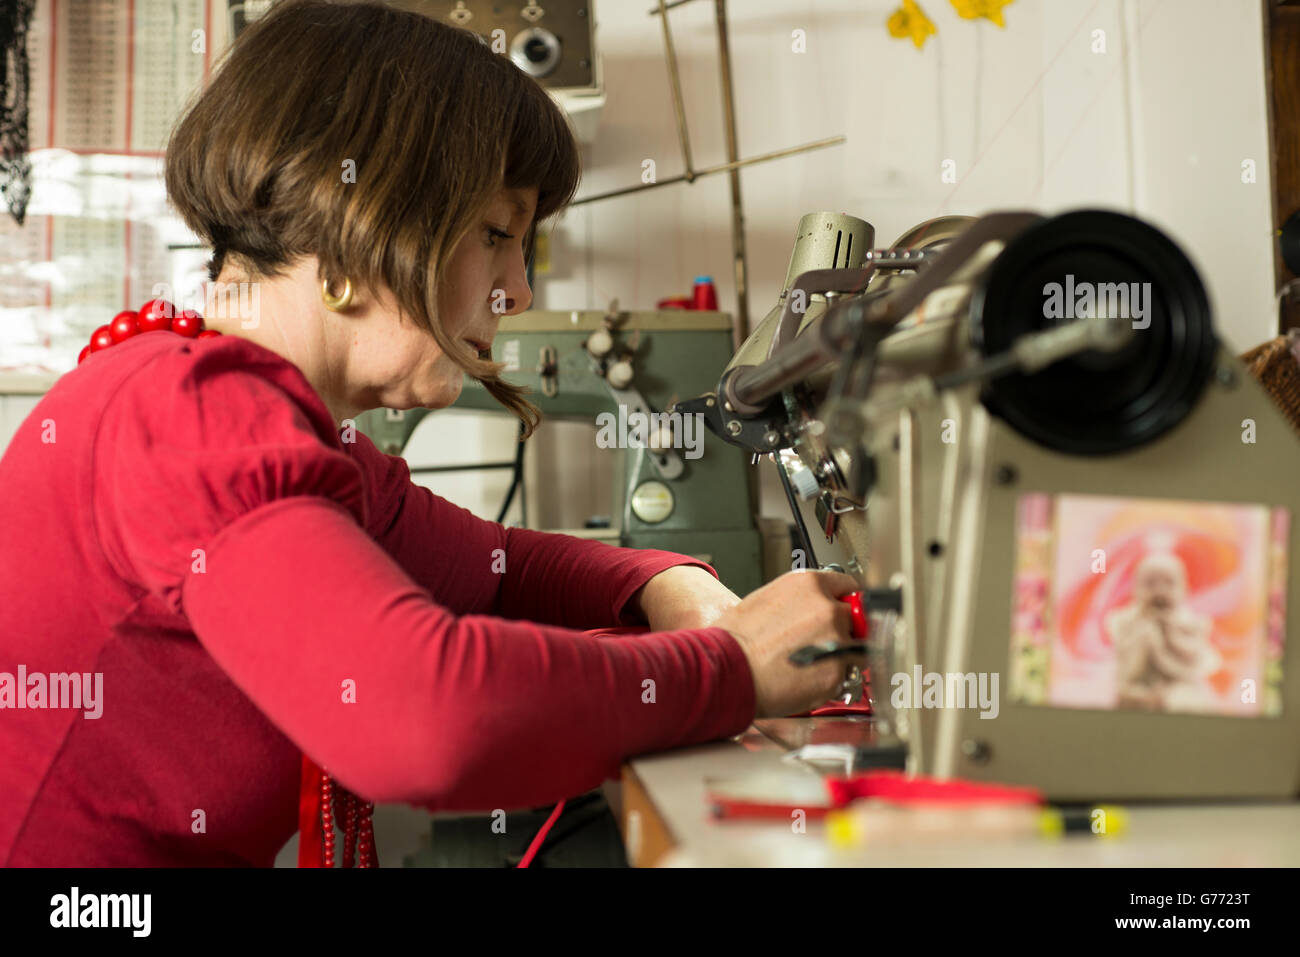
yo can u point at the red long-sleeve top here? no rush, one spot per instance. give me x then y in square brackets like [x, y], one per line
[183, 518]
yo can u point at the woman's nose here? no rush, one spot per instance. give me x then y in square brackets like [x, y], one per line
[518, 297]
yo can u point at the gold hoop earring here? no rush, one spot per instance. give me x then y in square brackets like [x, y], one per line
[336, 303]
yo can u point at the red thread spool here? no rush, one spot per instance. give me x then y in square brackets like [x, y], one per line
[706, 297]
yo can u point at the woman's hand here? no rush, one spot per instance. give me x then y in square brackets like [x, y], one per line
[799, 608]
[684, 596]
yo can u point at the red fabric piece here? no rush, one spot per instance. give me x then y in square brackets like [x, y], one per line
[903, 788]
[199, 536]
[838, 709]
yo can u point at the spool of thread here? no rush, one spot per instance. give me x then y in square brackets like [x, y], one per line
[674, 302]
[706, 297]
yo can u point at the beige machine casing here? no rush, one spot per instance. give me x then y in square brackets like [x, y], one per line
[941, 524]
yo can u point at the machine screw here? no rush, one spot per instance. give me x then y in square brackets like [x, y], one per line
[771, 437]
[734, 427]
[827, 472]
[1006, 475]
[978, 752]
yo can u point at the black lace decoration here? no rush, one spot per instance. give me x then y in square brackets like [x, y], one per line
[15, 81]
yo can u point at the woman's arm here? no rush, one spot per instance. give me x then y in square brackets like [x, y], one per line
[404, 701]
[684, 596]
[475, 566]
[225, 501]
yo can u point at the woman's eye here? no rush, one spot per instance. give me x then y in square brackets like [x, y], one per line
[495, 234]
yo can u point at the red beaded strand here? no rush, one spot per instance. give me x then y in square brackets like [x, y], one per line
[154, 315]
[354, 819]
[327, 818]
[353, 814]
[349, 818]
[366, 846]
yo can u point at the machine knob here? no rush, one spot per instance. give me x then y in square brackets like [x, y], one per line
[619, 375]
[803, 480]
[599, 343]
[663, 437]
[861, 626]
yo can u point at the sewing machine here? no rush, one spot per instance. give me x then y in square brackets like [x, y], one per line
[675, 487]
[1023, 434]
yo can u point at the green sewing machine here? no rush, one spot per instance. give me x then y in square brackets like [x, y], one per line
[677, 487]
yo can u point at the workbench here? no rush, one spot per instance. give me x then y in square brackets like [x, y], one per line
[665, 820]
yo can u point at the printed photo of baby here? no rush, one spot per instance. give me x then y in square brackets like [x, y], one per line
[1163, 652]
[1149, 604]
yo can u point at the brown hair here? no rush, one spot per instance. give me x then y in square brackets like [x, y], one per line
[434, 121]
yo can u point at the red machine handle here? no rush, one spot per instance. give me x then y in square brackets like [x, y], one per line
[854, 601]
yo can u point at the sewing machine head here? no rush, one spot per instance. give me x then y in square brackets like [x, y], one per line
[1027, 428]
[673, 485]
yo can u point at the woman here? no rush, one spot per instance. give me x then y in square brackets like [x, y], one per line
[202, 536]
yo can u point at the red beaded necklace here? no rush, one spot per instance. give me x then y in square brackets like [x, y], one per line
[153, 315]
[322, 801]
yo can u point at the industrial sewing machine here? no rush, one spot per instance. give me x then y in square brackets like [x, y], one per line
[1070, 507]
[675, 486]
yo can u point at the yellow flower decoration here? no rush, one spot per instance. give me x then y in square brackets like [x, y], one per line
[909, 20]
[971, 9]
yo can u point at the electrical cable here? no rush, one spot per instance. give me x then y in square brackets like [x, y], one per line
[541, 836]
[516, 476]
[804, 540]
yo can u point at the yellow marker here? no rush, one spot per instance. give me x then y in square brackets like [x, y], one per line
[879, 822]
[841, 829]
[1108, 820]
[1051, 823]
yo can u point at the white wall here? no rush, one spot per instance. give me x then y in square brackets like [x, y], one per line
[1158, 125]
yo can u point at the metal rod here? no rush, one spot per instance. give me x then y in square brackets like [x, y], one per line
[675, 81]
[828, 340]
[669, 6]
[708, 171]
[741, 324]
[463, 468]
[802, 357]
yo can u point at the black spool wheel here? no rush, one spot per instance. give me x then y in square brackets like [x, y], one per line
[1097, 403]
